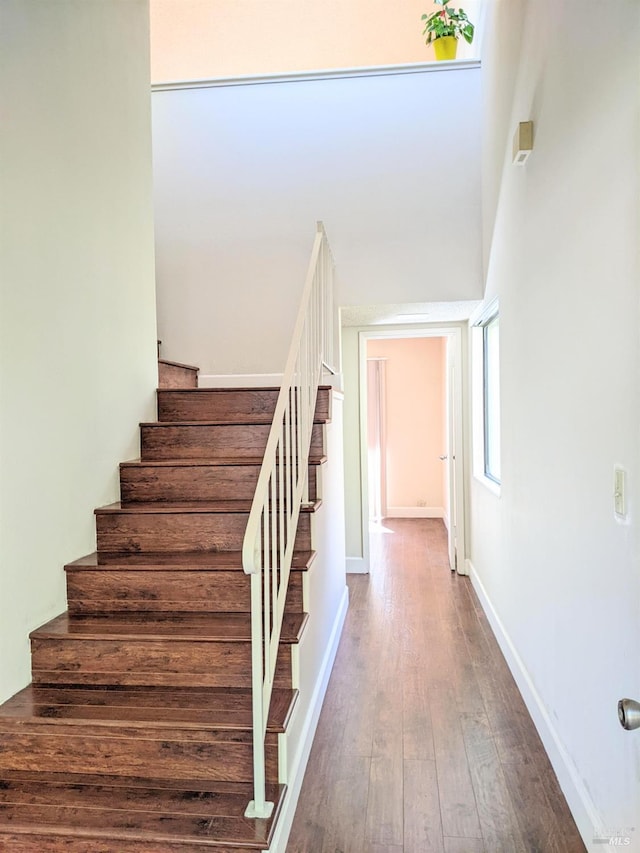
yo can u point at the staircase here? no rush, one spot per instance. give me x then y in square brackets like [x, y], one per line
[136, 733]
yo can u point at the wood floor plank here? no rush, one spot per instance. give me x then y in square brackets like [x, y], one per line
[492, 797]
[309, 827]
[388, 722]
[457, 798]
[417, 732]
[463, 845]
[385, 802]
[422, 823]
[347, 804]
[357, 736]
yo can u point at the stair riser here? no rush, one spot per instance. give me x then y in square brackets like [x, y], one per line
[175, 376]
[194, 482]
[199, 757]
[161, 442]
[41, 842]
[160, 663]
[136, 532]
[167, 532]
[91, 592]
[231, 405]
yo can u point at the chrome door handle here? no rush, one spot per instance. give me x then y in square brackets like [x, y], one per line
[629, 714]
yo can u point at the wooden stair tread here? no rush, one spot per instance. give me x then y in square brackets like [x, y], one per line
[197, 814]
[221, 787]
[227, 709]
[234, 420]
[208, 462]
[179, 562]
[217, 798]
[235, 390]
[164, 626]
[265, 421]
[242, 506]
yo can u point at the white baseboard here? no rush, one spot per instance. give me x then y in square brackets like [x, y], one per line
[357, 566]
[285, 820]
[239, 380]
[415, 512]
[580, 803]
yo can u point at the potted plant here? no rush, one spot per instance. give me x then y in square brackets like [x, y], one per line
[444, 27]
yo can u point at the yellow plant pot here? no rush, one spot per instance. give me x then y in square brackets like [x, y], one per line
[445, 47]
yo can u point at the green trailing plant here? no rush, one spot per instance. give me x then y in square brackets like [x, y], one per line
[447, 22]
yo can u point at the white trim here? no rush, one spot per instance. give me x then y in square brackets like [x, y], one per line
[485, 312]
[363, 425]
[285, 819]
[357, 565]
[239, 380]
[477, 356]
[580, 803]
[331, 74]
[377, 384]
[415, 512]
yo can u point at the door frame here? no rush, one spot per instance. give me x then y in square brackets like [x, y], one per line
[381, 364]
[455, 406]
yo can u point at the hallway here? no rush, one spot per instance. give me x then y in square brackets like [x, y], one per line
[424, 743]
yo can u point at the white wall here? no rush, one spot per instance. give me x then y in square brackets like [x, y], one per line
[390, 163]
[77, 314]
[559, 572]
[501, 39]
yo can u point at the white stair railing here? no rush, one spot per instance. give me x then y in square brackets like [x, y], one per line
[269, 540]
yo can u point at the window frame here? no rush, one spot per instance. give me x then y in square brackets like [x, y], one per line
[485, 315]
[488, 424]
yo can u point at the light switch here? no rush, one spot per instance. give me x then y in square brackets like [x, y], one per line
[619, 502]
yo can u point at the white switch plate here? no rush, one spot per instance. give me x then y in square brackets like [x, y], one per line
[619, 501]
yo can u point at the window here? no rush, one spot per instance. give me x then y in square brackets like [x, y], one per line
[485, 383]
[491, 397]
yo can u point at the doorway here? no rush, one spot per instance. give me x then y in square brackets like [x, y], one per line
[411, 430]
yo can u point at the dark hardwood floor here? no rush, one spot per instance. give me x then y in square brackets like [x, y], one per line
[424, 743]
